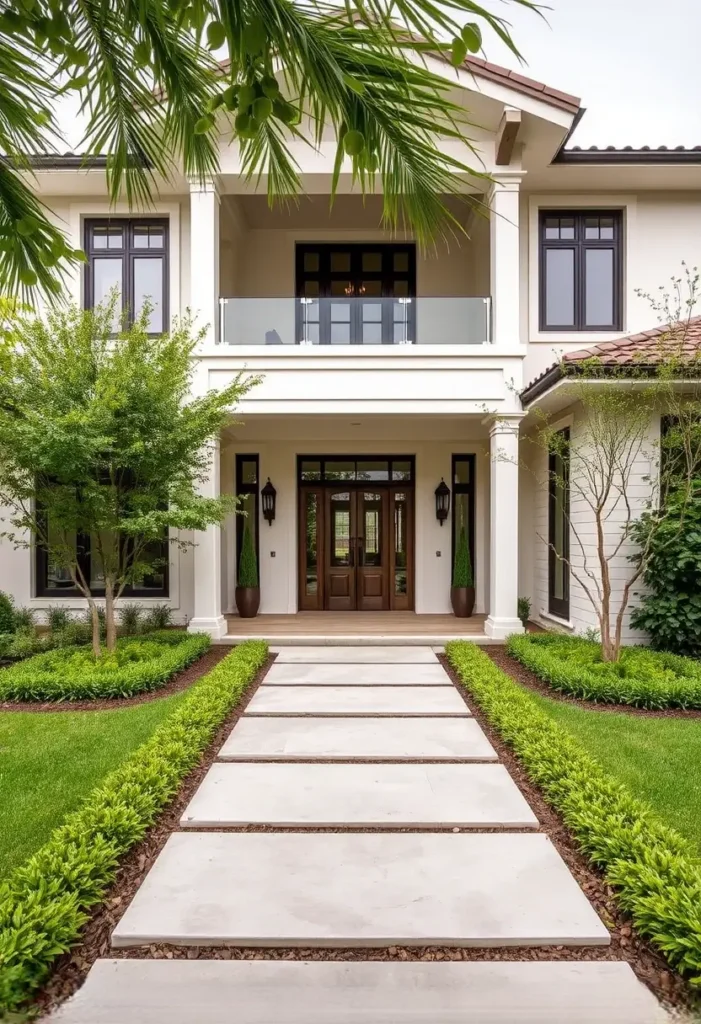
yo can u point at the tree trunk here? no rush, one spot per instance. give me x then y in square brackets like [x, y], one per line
[96, 646]
[111, 627]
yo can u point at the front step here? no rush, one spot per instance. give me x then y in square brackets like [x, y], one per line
[359, 889]
[258, 992]
[358, 700]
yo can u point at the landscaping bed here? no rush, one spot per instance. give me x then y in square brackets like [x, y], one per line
[641, 678]
[137, 665]
[45, 904]
[651, 871]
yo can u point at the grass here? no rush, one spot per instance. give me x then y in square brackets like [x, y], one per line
[656, 758]
[50, 762]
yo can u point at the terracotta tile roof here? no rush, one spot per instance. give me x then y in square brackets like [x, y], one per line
[528, 86]
[644, 349]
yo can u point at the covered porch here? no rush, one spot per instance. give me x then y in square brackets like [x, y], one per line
[393, 627]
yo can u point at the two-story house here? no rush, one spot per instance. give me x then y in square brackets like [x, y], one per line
[386, 369]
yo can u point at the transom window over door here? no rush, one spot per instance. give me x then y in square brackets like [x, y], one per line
[356, 294]
[131, 256]
[580, 270]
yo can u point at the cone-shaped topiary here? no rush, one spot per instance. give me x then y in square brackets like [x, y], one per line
[248, 565]
[462, 566]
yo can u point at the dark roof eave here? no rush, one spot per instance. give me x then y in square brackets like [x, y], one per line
[548, 380]
[628, 156]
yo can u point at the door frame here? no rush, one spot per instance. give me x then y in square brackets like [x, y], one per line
[320, 487]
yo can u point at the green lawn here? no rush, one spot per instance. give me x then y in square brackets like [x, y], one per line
[50, 762]
[657, 758]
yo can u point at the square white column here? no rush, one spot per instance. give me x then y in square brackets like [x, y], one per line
[208, 616]
[503, 529]
[204, 257]
[505, 260]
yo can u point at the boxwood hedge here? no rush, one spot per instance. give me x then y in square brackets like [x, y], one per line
[642, 678]
[137, 665]
[45, 903]
[653, 870]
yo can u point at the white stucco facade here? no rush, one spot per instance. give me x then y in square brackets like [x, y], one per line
[452, 391]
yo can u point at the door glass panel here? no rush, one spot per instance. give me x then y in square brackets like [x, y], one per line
[373, 469]
[401, 262]
[599, 287]
[311, 532]
[372, 528]
[560, 567]
[400, 543]
[311, 289]
[340, 262]
[370, 289]
[340, 323]
[340, 529]
[148, 284]
[339, 471]
[249, 471]
[371, 313]
[461, 517]
[400, 288]
[372, 262]
[311, 262]
[341, 288]
[559, 287]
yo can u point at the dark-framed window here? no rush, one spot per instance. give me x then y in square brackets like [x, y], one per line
[559, 526]
[54, 581]
[356, 469]
[131, 255]
[356, 294]
[581, 279]
[463, 504]
[247, 490]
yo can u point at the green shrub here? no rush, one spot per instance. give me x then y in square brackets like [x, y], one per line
[523, 609]
[87, 619]
[130, 619]
[25, 620]
[653, 870]
[45, 903]
[7, 613]
[137, 665]
[76, 631]
[670, 611]
[462, 565]
[57, 618]
[248, 565]
[641, 678]
[158, 617]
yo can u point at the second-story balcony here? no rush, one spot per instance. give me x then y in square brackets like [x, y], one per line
[356, 320]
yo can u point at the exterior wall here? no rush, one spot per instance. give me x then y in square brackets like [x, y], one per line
[582, 551]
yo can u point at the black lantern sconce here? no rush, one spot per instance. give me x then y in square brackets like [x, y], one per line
[267, 497]
[442, 502]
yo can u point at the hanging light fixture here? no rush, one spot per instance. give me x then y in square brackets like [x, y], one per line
[267, 497]
[442, 501]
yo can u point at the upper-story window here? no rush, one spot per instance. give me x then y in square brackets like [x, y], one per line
[131, 256]
[580, 270]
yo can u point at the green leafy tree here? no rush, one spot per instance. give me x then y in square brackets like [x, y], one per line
[99, 436]
[248, 564]
[154, 96]
[462, 565]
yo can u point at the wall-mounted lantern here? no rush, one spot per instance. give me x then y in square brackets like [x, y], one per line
[267, 497]
[442, 501]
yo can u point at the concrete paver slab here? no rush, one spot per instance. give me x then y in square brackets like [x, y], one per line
[359, 889]
[347, 739]
[261, 991]
[372, 795]
[356, 655]
[357, 700]
[300, 674]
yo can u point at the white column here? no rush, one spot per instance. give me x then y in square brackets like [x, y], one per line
[208, 616]
[504, 253]
[204, 257]
[503, 528]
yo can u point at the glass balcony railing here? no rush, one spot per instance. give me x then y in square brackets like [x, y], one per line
[356, 321]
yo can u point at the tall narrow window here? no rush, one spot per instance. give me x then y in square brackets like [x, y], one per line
[131, 256]
[247, 492]
[559, 526]
[463, 516]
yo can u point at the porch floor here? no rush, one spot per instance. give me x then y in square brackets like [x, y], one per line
[357, 627]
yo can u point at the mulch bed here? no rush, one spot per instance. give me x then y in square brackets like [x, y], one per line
[179, 682]
[530, 680]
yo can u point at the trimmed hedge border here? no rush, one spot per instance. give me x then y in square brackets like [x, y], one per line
[654, 871]
[45, 902]
[40, 678]
[642, 679]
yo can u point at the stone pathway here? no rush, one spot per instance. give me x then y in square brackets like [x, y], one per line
[361, 740]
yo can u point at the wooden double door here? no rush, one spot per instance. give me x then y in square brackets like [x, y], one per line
[356, 548]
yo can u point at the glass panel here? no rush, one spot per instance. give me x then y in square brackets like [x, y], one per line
[340, 262]
[247, 504]
[462, 471]
[552, 227]
[249, 471]
[372, 528]
[371, 289]
[104, 548]
[58, 577]
[401, 262]
[311, 262]
[115, 238]
[155, 238]
[339, 471]
[340, 334]
[559, 287]
[311, 470]
[566, 227]
[311, 289]
[372, 262]
[106, 237]
[400, 543]
[401, 470]
[400, 288]
[598, 287]
[606, 228]
[372, 333]
[340, 529]
[341, 288]
[148, 284]
[155, 553]
[372, 312]
[559, 227]
[141, 236]
[373, 469]
[311, 531]
[107, 274]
